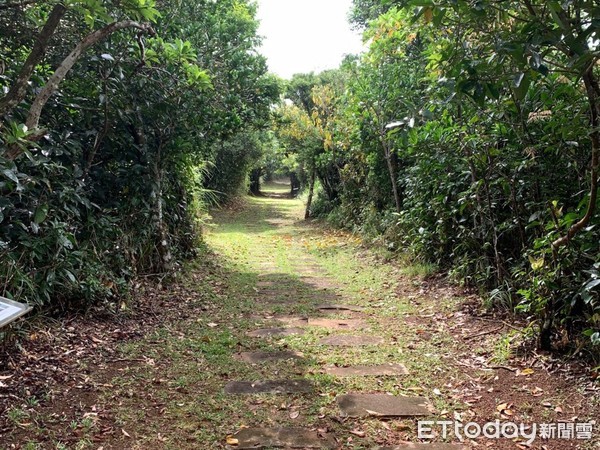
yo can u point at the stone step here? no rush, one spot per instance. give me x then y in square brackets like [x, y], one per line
[301, 438]
[330, 324]
[421, 446]
[338, 324]
[347, 340]
[339, 307]
[275, 332]
[364, 370]
[264, 357]
[382, 405]
[269, 387]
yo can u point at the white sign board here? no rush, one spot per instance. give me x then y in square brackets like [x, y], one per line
[11, 310]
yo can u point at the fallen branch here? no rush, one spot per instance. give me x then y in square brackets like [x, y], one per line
[484, 333]
[505, 323]
[511, 369]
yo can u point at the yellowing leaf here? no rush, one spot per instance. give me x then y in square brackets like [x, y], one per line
[232, 441]
[536, 264]
[527, 372]
[428, 15]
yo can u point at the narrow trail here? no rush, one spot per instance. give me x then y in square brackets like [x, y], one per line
[287, 334]
[310, 323]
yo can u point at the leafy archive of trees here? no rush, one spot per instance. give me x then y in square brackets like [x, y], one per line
[466, 135]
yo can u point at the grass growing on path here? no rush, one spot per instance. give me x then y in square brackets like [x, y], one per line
[165, 390]
[266, 240]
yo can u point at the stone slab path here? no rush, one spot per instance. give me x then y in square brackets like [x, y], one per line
[269, 387]
[300, 438]
[324, 308]
[331, 324]
[364, 371]
[339, 307]
[382, 405]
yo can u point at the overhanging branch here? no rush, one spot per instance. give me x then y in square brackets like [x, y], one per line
[35, 111]
[19, 89]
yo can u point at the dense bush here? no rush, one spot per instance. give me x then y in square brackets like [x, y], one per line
[107, 176]
[468, 135]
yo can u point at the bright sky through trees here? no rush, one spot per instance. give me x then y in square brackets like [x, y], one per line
[306, 35]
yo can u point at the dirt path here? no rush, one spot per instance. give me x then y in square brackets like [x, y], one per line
[290, 335]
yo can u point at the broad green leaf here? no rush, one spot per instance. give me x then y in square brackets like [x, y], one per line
[41, 213]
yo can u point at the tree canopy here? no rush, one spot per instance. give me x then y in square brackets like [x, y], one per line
[467, 135]
[116, 116]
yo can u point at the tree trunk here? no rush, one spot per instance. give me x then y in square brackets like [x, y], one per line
[311, 192]
[393, 175]
[164, 247]
[592, 89]
[255, 181]
[295, 184]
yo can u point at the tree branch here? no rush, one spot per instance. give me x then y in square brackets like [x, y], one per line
[61, 72]
[591, 85]
[19, 89]
[35, 111]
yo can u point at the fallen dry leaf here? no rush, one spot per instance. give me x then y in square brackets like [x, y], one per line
[358, 433]
[232, 441]
[501, 407]
[536, 392]
[294, 414]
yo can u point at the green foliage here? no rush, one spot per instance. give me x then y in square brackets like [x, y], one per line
[467, 136]
[118, 181]
[233, 159]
